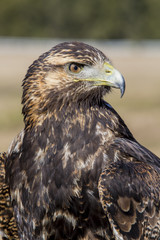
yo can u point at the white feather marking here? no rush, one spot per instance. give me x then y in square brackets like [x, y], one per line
[90, 192]
[116, 234]
[67, 154]
[105, 135]
[116, 158]
[2, 234]
[69, 217]
[16, 143]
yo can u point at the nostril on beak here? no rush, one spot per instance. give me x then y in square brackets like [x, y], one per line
[108, 72]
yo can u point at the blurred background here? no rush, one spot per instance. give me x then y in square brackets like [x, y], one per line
[127, 31]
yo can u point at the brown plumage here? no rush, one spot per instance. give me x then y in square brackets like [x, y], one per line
[8, 227]
[76, 171]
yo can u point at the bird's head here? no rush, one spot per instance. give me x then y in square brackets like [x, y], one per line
[70, 72]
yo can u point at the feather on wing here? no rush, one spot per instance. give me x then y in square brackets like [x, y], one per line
[129, 192]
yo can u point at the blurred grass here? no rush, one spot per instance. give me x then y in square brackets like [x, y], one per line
[140, 106]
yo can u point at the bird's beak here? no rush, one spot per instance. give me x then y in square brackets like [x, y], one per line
[106, 76]
[112, 78]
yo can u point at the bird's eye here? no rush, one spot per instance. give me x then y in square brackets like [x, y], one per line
[75, 68]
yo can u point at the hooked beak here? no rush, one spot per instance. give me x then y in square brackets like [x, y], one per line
[112, 78]
[106, 76]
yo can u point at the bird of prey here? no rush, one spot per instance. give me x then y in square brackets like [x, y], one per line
[75, 171]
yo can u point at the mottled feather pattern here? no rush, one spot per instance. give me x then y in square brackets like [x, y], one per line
[76, 171]
[81, 175]
[131, 201]
[8, 227]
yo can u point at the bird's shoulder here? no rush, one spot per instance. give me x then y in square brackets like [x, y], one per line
[112, 121]
[129, 189]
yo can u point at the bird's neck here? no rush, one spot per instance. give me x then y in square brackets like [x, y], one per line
[78, 118]
[41, 107]
[64, 113]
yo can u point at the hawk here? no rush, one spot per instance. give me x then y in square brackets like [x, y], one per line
[76, 171]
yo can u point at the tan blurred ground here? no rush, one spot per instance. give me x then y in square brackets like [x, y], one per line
[140, 106]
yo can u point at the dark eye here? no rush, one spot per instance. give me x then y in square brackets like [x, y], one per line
[75, 68]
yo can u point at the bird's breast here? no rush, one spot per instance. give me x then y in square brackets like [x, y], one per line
[55, 189]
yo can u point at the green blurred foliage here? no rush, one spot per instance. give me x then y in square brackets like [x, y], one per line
[105, 19]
